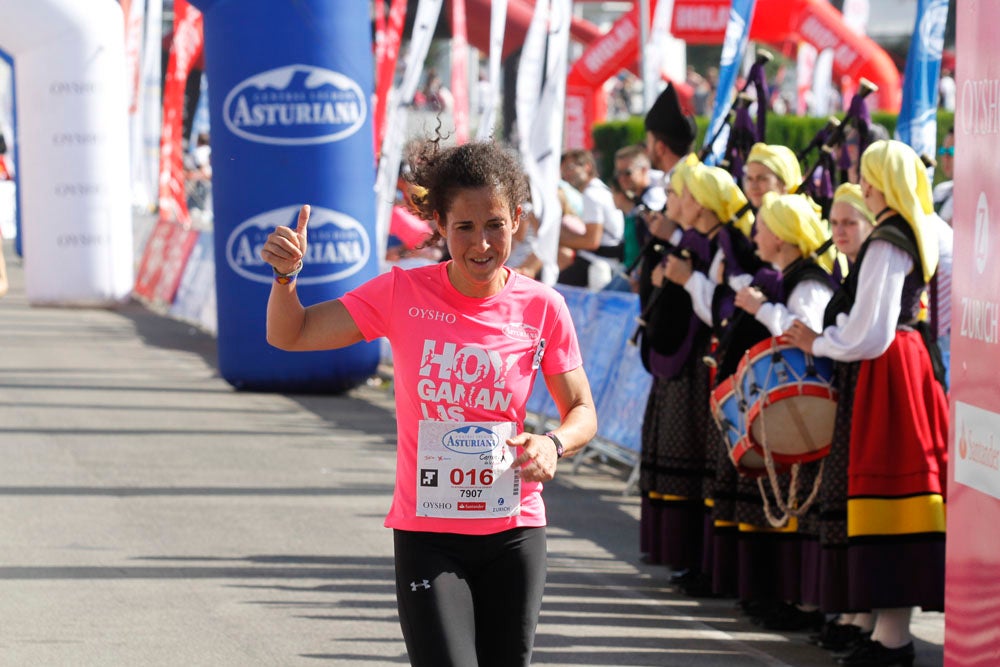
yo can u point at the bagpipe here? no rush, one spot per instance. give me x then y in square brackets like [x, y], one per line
[667, 329]
[744, 131]
[818, 181]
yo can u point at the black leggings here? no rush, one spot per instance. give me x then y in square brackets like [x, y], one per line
[469, 600]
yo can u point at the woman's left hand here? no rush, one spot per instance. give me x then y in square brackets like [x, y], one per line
[538, 456]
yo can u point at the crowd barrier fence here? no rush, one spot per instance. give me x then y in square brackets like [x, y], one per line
[604, 324]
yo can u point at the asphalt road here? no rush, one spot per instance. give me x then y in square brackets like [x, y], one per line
[152, 515]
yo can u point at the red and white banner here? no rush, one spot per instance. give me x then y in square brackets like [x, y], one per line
[163, 260]
[134, 28]
[186, 49]
[814, 21]
[390, 156]
[606, 56]
[460, 71]
[171, 240]
[386, 57]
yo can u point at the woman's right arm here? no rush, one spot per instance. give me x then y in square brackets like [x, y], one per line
[868, 330]
[290, 326]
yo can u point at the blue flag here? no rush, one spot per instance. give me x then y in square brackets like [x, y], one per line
[737, 35]
[917, 124]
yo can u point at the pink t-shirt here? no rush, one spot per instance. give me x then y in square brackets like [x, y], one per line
[458, 358]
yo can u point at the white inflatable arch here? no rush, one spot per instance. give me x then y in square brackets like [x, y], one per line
[72, 140]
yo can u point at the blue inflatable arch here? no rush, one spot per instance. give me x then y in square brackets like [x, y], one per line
[291, 125]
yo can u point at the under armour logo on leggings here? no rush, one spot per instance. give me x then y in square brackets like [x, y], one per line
[423, 584]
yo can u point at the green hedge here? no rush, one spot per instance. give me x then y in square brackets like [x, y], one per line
[793, 131]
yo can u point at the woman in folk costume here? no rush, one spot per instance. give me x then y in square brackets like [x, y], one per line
[792, 238]
[851, 223]
[769, 168]
[710, 199]
[676, 420]
[789, 232]
[898, 458]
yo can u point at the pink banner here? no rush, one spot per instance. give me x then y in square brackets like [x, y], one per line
[972, 589]
[460, 71]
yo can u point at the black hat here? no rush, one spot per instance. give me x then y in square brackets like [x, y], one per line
[665, 118]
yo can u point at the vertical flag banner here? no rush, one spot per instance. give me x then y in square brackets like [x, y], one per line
[735, 43]
[186, 49]
[135, 25]
[917, 124]
[498, 25]
[547, 139]
[460, 71]
[387, 55]
[150, 108]
[664, 54]
[428, 12]
[291, 84]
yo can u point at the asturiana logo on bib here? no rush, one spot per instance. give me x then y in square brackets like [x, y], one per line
[339, 246]
[295, 105]
[470, 440]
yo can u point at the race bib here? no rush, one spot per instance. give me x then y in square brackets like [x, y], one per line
[464, 470]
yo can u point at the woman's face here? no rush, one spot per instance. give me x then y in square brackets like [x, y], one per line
[674, 205]
[690, 210]
[850, 228]
[768, 244]
[757, 180]
[874, 199]
[477, 229]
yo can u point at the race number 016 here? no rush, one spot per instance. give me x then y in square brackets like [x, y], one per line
[469, 477]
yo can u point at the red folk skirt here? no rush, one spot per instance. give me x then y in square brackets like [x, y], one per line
[897, 476]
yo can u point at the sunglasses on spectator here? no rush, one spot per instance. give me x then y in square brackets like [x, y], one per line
[949, 151]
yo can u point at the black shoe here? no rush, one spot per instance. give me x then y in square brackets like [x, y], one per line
[836, 636]
[678, 577]
[870, 653]
[757, 610]
[697, 585]
[789, 618]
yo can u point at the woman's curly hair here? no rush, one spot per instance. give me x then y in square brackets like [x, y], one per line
[442, 172]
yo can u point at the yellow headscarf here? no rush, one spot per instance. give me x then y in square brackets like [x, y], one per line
[850, 194]
[796, 220]
[679, 175]
[895, 170]
[779, 159]
[715, 189]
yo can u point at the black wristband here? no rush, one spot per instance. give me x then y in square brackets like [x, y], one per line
[558, 443]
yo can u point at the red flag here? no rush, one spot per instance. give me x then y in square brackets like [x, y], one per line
[386, 67]
[186, 49]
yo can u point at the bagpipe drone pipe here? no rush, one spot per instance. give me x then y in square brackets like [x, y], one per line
[834, 159]
[667, 327]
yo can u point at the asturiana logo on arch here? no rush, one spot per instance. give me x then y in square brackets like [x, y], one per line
[339, 246]
[295, 105]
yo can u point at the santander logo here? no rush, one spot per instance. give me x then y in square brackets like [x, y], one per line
[295, 105]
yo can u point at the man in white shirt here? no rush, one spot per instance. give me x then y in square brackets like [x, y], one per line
[599, 249]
